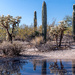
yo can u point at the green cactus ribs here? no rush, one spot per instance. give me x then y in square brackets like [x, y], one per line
[44, 21]
[35, 22]
[73, 22]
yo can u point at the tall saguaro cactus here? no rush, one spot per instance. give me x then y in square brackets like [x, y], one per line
[73, 22]
[35, 21]
[44, 21]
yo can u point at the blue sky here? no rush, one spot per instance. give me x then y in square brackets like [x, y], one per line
[57, 9]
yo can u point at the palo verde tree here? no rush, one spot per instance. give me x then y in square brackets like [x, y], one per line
[9, 22]
[68, 19]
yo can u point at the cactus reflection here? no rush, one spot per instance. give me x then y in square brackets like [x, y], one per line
[41, 67]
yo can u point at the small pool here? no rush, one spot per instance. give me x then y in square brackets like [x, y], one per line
[36, 67]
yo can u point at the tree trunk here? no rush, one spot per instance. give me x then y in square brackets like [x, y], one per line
[57, 41]
[9, 36]
[61, 36]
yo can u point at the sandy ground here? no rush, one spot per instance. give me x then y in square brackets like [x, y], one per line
[31, 50]
[55, 54]
[58, 54]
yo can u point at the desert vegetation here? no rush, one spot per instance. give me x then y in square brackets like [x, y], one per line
[23, 33]
[34, 42]
[9, 49]
[46, 37]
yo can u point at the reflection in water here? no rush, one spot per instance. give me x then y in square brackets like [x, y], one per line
[43, 64]
[37, 67]
[43, 67]
[34, 64]
[55, 68]
[73, 67]
[11, 67]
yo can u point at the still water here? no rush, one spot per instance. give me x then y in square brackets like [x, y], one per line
[36, 67]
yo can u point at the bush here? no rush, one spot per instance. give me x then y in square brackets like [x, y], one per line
[37, 40]
[37, 33]
[11, 49]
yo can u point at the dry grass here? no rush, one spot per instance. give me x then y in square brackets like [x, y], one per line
[11, 49]
[48, 46]
[37, 40]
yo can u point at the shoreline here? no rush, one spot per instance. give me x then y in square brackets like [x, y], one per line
[35, 53]
[59, 54]
[43, 56]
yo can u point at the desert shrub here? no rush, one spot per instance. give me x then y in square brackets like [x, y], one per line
[11, 49]
[58, 32]
[37, 40]
[18, 38]
[68, 31]
[25, 32]
[2, 34]
[45, 47]
[37, 33]
[40, 29]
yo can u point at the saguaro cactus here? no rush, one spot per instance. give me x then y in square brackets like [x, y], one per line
[44, 20]
[35, 21]
[73, 22]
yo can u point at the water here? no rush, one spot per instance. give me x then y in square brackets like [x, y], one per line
[19, 66]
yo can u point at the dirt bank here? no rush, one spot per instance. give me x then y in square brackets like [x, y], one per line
[58, 54]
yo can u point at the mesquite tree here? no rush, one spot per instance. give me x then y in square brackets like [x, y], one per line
[9, 22]
[44, 20]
